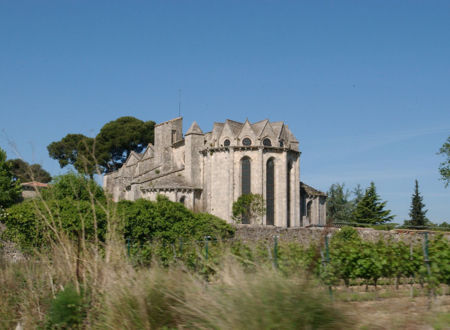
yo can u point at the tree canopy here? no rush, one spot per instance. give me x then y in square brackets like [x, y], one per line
[444, 168]
[76, 150]
[10, 189]
[75, 187]
[25, 172]
[119, 137]
[108, 150]
[339, 206]
[370, 209]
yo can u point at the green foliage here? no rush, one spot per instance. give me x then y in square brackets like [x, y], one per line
[118, 138]
[345, 253]
[31, 224]
[249, 208]
[73, 205]
[439, 255]
[23, 226]
[164, 220]
[108, 150]
[417, 212]
[370, 209]
[66, 310]
[26, 172]
[444, 167]
[76, 150]
[358, 192]
[339, 207]
[74, 186]
[10, 189]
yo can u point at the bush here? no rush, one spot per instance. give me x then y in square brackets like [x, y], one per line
[66, 310]
[32, 224]
[249, 208]
[168, 221]
[73, 186]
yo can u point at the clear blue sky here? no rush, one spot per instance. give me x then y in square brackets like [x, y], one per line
[364, 85]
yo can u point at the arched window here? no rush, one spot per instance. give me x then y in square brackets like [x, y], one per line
[246, 142]
[246, 181]
[270, 192]
[267, 142]
[182, 199]
[308, 210]
[288, 194]
[281, 143]
[226, 143]
[246, 175]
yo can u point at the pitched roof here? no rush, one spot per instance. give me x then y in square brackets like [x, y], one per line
[170, 182]
[194, 129]
[259, 126]
[310, 190]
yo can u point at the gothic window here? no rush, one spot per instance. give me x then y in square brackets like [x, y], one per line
[247, 142]
[270, 192]
[246, 175]
[288, 194]
[246, 180]
[226, 143]
[267, 142]
[281, 143]
[308, 210]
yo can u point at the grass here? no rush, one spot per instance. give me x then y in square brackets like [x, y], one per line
[43, 292]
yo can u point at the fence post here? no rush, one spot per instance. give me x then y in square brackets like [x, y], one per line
[427, 263]
[411, 259]
[327, 260]
[275, 251]
[128, 247]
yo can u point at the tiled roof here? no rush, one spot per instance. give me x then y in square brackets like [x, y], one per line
[35, 184]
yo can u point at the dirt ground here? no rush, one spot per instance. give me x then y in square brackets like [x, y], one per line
[400, 313]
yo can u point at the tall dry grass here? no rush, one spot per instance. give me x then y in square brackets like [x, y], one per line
[116, 294]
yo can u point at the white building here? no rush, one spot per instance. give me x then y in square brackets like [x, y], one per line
[207, 172]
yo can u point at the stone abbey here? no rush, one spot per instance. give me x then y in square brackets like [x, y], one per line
[207, 172]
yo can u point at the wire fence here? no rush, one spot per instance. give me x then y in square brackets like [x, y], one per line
[385, 226]
[425, 263]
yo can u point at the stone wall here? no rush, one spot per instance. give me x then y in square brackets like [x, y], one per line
[315, 234]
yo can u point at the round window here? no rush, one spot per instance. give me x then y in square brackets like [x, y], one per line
[226, 143]
[267, 142]
[247, 142]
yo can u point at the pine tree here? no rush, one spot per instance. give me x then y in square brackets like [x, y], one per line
[370, 209]
[417, 212]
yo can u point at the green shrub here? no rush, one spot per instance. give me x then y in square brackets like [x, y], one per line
[168, 221]
[31, 224]
[73, 186]
[249, 208]
[66, 310]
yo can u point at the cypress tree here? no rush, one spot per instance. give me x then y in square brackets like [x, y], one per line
[417, 212]
[370, 208]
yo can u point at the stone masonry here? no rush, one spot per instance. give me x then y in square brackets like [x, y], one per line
[207, 172]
